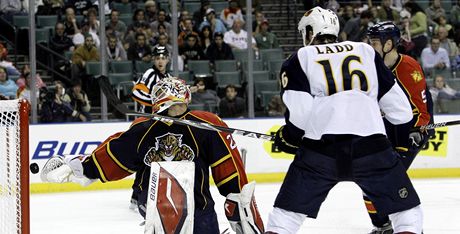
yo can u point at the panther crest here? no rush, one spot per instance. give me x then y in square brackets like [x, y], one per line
[169, 147]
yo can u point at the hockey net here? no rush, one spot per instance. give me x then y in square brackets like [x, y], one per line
[14, 167]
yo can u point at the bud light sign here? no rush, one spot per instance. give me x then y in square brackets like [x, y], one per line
[47, 149]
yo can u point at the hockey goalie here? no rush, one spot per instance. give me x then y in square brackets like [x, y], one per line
[174, 160]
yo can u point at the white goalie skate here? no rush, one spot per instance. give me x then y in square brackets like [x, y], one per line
[60, 169]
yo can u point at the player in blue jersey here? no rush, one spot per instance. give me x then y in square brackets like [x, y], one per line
[334, 94]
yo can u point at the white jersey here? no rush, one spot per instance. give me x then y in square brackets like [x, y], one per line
[238, 40]
[341, 88]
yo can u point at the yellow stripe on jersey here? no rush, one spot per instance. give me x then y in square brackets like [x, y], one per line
[402, 149]
[221, 160]
[227, 179]
[109, 152]
[101, 172]
[142, 139]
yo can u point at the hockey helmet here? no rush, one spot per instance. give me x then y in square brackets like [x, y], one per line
[169, 91]
[322, 22]
[160, 51]
[385, 31]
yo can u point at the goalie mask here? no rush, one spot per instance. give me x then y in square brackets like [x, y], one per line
[320, 21]
[169, 91]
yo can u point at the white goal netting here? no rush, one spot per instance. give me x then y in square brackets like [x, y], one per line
[10, 168]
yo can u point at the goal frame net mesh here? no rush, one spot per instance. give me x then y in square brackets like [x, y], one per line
[14, 167]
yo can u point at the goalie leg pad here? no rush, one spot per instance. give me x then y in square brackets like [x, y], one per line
[60, 169]
[242, 213]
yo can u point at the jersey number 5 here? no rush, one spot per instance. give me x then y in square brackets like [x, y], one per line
[347, 75]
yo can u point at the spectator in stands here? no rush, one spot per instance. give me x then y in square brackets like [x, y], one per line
[216, 24]
[347, 14]
[136, 28]
[441, 90]
[81, 7]
[231, 13]
[154, 39]
[23, 92]
[53, 107]
[355, 29]
[138, 18]
[163, 40]
[200, 15]
[70, 22]
[3, 52]
[232, 106]
[333, 5]
[386, 13]
[182, 24]
[79, 102]
[161, 19]
[79, 38]
[191, 50]
[115, 50]
[447, 43]
[187, 30]
[204, 95]
[140, 50]
[276, 107]
[256, 5]
[118, 26]
[7, 87]
[258, 21]
[434, 57]
[455, 14]
[25, 74]
[151, 11]
[93, 21]
[442, 22]
[237, 37]
[266, 39]
[60, 43]
[433, 12]
[50, 7]
[81, 55]
[11, 7]
[417, 27]
[10, 68]
[205, 38]
[219, 50]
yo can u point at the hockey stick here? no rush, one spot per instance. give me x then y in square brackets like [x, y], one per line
[205, 126]
[442, 124]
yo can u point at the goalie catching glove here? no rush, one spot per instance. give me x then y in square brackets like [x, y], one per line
[242, 213]
[59, 169]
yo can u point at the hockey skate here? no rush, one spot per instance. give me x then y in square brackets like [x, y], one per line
[386, 229]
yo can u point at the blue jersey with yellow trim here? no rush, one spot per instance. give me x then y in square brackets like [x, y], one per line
[149, 140]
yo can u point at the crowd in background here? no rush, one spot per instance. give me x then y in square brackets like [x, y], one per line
[430, 33]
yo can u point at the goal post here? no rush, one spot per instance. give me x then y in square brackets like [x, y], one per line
[14, 167]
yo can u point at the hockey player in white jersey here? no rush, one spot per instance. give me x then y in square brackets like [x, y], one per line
[334, 94]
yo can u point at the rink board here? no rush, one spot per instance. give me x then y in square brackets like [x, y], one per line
[441, 158]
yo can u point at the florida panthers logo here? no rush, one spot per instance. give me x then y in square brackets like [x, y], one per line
[169, 147]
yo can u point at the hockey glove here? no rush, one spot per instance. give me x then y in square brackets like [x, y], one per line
[284, 142]
[60, 169]
[242, 213]
[416, 138]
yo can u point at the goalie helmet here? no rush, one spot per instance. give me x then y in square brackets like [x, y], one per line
[322, 22]
[385, 31]
[169, 91]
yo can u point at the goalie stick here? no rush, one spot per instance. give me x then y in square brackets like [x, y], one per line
[205, 126]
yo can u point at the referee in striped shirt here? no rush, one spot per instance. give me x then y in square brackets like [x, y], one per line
[143, 86]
